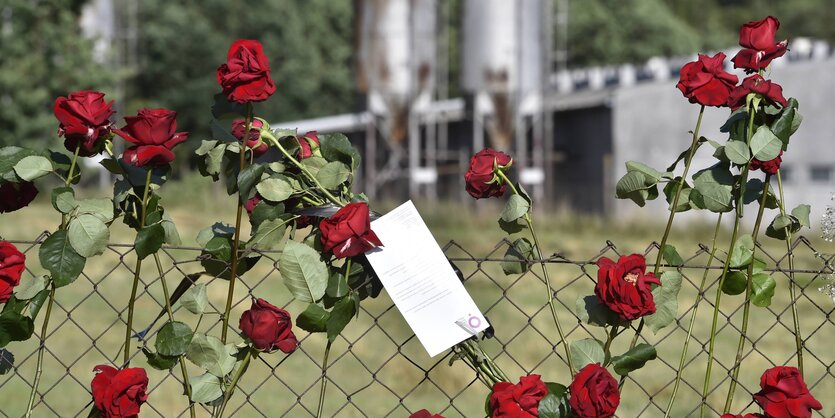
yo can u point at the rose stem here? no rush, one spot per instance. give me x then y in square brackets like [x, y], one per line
[41, 347]
[301, 167]
[228, 394]
[694, 145]
[183, 370]
[137, 270]
[726, 265]
[324, 385]
[51, 298]
[797, 336]
[236, 242]
[699, 297]
[550, 290]
[747, 309]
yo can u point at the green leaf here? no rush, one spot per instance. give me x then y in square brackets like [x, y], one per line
[801, 212]
[9, 157]
[333, 174]
[313, 319]
[205, 388]
[591, 311]
[195, 299]
[265, 211]
[765, 145]
[713, 188]
[172, 237]
[671, 256]
[63, 199]
[666, 301]
[15, 327]
[36, 303]
[6, 361]
[515, 208]
[743, 251]
[337, 147]
[275, 189]
[88, 235]
[517, 255]
[247, 179]
[512, 227]
[684, 203]
[337, 285]
[735, 282]
[149, 240]
[586, 351]
[303, 271]
[101, 208]
[158, 361]
[651, 175]
[340, 316]
[633, 359]
[762, 289]
[269, 234]
[211, 354]
[173, 339]
[31, 289]
[554, 405]
[57, 255]
[33, 167]
[633, 186]
[738, 152]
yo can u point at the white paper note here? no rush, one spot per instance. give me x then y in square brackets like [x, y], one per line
[421, 282]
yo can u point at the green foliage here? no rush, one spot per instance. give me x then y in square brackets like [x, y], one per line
[58, 256]
[633, 359]
[586, 351]
[666, 301]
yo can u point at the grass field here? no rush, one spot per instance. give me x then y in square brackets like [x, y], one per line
[386, 372]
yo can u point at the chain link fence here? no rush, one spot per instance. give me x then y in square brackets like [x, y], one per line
[378, 368]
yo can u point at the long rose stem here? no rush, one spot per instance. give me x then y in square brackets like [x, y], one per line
[548, 287]
[228, 394]
[798, 339]
[136, 273]
[324, 386]
[699, 297]
[236, 241]
[747, 308]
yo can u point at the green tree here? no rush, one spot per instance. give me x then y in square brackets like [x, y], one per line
[42, 56]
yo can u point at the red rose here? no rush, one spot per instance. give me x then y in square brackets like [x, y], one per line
[348, 232]
[593, 393]
[308, 144]
[84, 119]
[246, 75]
[119, 393]
[251, 203]
[706, 82]
[153, 135]
[769, 167]
[520, 400]
[624, 286]
[759, 47]
[254, 142]
[425, 414]
[14, 196]
[783, 394]
[268, 327]
[12, 264]
[769, 91]
[481, 177]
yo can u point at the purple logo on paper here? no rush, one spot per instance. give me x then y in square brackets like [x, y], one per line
[474, 322]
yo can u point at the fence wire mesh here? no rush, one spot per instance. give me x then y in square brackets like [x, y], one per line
[378, 368]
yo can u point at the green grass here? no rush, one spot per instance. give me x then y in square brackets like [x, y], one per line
[522, 345]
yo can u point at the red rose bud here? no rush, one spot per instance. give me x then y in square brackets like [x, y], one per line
[84, 119]
[119, 393]
[14, 196]
[768, 90]
[481, 178]
[519, 400]
[153, 135]
[783, 394]
[759, 47]
[348, 232]
[268, 327]
[12, 264]
[624, 286]
[254, 141]
[593, 393]
[246, 75]
[251, 203]
[425, 414]
[308, 145]
[706, 82]
[768, 167]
